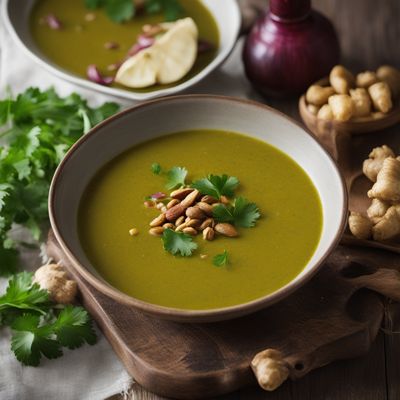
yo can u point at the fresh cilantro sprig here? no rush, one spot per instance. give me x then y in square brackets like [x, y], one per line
[178, 243]
[39, 327]
[221, 260]
[176, 177]
[217, 186]
[123, 10]
[37, 128]
[243, 213]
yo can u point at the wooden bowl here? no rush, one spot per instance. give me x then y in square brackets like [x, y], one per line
[178, 114]
[321, 128]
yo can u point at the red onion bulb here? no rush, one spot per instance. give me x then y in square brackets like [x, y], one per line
[289, 48]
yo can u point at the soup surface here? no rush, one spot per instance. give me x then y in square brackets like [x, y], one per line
[81, 43]
[262, 259]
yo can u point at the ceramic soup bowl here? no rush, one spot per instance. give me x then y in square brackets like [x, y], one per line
[226, 14]
[184, 113]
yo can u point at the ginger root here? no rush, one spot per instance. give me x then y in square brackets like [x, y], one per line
[377, 210]
[313, 109]
[54, 279]
[319, 95]
[342, 107]
[270, 369]
[341, 79]
[391, 76]
[325, 112]
[366, 79]
[361, 102]
[360, 226]
[381, 96]
[374, 163]
[389, 225]
[387, 185]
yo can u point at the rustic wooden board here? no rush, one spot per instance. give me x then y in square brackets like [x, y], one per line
[332, 317]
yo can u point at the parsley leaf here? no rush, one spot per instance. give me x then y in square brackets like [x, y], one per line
[30, 341]
[217, 186]
[178, 242]
[156, 168]
[176, 177]
[243, 213]
[221, 259]
[120, 10]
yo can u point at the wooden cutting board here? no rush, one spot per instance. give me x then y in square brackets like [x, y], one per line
[335, 316]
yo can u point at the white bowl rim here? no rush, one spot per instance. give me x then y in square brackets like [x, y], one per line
[186, 315]
[124, 93]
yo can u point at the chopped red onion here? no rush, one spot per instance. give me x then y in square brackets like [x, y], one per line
[203, 46]
[53, 22]
[94, 75]
[143, 42]
[158, 196]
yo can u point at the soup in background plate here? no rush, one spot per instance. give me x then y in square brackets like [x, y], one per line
[262, 258]
[84, 41]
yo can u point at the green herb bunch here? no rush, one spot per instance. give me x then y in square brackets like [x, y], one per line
[39, 327]
[36, 130]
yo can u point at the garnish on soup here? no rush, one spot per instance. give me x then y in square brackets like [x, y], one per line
[203, 207]
[221, 260]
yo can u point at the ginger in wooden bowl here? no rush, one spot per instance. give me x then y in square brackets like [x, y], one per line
[367, 102]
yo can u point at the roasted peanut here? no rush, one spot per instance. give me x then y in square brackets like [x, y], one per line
[209, 199]
[180, 220]
[190, 231]
[156, 231]
[195, 212]
[226, 229]
[205, 224]
[168, 225]
[181, 193]
[176, 211]
[205, 207]
[161, 219]
[172, 203]
[208, 233]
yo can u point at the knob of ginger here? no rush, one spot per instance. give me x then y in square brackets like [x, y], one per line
[374, 163]
[361, 102]
[360, 226]
[319, 95]
[381, 96]
[389, 225]
[342, 106]
[377, 210]
[366, 79]
[391, 76]
[341, 79]
[387, 185]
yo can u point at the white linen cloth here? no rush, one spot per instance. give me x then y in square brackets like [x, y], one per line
[91, 372]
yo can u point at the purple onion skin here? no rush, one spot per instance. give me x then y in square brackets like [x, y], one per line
[94, 75]
[143, 42]
[53, 22]
[282, 57]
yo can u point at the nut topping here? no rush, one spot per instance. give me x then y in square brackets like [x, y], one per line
[158, 220]
[226, 229]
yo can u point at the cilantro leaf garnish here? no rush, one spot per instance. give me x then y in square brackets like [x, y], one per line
[176, 177]
[73, 327]
[156, 168]
[217, 186]
[30, 341]
[39, 327]
[178, 242]
[242, 213]
[221, 260]
[22, 294]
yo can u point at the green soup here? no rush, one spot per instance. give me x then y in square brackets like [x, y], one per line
[262, 259]
[81, 43]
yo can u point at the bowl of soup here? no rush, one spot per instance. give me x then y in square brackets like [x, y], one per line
[277, 187]
[87, 47]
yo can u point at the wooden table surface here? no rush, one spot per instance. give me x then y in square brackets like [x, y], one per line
[369, 32]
